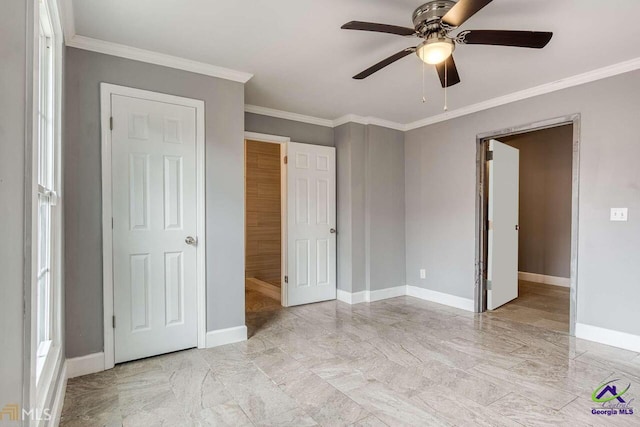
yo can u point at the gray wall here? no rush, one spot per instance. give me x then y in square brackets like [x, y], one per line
[298, 132]
[343, 214]
[224, 188]
[385, 214]
[371, 241]
[13, 152]
[350, 158]
[440, 203]
[544, 239]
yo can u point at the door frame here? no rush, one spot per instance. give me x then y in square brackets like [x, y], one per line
[482, 140]
[106, 91]
[283, 141]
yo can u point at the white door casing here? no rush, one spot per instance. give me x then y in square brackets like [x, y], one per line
[311, 228]
[502, 266]
[156, 202]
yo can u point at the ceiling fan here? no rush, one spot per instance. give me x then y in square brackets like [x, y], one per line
[433, 21]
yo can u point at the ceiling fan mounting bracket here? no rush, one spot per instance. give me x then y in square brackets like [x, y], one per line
[427, 18]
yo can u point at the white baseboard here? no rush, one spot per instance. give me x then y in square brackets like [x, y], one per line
[387, 293]
[547, 280]
[85, 365]
[412, 291]
[371, 296]
[440, 298]
[226, 336]
[608, 337]
[58, 400]
[351, 298]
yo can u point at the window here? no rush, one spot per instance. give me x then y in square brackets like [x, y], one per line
[47, 212]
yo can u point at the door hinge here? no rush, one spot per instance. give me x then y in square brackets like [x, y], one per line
[286, 279]
[489, 156]
[111, 123]
[113, 321]
[286, 159]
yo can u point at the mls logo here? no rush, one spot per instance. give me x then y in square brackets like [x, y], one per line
[609, 396]
[608, 392]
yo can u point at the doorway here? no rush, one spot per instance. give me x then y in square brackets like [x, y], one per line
[264, 225]
[527, 223]
[153, 223]
[290, 220]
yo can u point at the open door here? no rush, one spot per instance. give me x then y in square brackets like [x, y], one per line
[311, 228]
[502, 265]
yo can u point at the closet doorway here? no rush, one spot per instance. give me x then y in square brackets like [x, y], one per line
[264, 224]
[290, 223]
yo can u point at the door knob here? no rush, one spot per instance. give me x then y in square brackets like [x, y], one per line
[332, 231]
[191, 241]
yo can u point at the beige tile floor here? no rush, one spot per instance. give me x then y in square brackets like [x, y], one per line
[401, 361]
[540, 305]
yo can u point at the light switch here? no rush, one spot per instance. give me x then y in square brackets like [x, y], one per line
[423, 273]
[619, 214]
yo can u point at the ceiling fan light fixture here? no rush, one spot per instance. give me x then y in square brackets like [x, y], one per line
[435, 50]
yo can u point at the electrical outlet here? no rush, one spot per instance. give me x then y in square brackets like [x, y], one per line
[619, 214]
[423, 273]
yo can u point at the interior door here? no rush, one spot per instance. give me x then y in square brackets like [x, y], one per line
[502, 265]
[154, 227]
[311, 228]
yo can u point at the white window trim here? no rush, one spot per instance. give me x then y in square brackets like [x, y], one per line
[106, 92]
[41, 388]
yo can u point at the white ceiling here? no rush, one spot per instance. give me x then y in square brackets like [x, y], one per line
[303, 62]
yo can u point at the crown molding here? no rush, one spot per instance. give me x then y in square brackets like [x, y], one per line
[271, 112]
[579, 79]
[124, 51]
[369, 120]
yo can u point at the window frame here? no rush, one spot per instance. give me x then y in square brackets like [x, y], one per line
[47, 167]
[46, 352]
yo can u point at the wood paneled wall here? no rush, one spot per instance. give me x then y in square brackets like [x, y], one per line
[262, 188]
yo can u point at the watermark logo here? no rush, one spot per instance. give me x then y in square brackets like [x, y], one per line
[607, 392]
[610, 397]
[12, 412]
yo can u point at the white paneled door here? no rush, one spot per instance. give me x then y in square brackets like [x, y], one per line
[311, 228]
[154, 204]
[502, 266]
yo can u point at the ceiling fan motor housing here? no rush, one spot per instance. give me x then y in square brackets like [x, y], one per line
[427, 19]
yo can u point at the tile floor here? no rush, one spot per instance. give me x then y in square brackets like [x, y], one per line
[401, 361]
[540, 305]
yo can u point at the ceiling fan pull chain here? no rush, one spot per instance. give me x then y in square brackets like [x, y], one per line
[445, 86]
[424, 97]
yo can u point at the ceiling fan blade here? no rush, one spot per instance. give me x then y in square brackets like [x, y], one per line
[380, 65]
[378, 28]
[462, 11]
[532, 39]
[452, 77]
